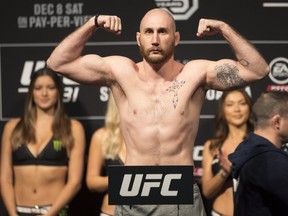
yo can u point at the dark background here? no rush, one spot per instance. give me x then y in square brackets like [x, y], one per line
[27, 39]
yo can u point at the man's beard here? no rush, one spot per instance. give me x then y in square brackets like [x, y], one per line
[161, 57]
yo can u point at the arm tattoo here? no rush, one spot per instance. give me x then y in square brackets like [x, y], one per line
[244, 62]
[174, 88]
[228, 75]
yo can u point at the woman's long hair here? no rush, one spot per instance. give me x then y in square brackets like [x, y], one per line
[112, 140]
[221, 126]
[24, 132]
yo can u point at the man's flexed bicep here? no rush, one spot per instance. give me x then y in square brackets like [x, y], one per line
[67, 59]
[88, 69]
[228, 74]
[249, 65]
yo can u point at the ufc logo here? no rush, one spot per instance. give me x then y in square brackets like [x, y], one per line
[147, 185]
[150, 185]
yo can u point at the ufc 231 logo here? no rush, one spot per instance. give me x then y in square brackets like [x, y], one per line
[71, 89]
[150, 181]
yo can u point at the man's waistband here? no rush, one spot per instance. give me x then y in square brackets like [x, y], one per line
[33, 210]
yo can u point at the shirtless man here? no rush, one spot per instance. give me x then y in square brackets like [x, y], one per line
[159, 98]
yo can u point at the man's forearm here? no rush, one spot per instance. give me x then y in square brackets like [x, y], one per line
[71, 47]
[246, 53]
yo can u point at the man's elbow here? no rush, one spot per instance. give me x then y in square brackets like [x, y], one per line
[51, 64]
[267, 70]
[262, 72]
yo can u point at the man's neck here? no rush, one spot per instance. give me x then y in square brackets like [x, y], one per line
[269, 135]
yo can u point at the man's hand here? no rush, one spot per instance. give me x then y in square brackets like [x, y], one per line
[110, 23]
[207, 27]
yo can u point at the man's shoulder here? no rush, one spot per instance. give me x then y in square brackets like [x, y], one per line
[121, 62]
[197, 63]
[266, 160]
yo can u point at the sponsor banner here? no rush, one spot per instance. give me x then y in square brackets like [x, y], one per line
[148, 185]
[36, 27]
[83, 102]
[279, 70]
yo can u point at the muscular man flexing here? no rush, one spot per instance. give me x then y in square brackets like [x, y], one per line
[159, 98]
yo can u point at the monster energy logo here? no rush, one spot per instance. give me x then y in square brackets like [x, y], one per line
[57, 145]
[63, 212]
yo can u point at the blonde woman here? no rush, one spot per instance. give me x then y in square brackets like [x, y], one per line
[42, 153]
[233, 122]
[106, 148]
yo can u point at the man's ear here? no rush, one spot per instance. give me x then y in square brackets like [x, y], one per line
[177, 38]
[276, 121]
[138, 38]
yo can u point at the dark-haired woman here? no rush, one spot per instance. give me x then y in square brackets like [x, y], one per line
[233, 123]
[42, 152]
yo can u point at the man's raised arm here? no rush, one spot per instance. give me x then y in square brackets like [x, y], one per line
[66, 58]
[250, 65]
